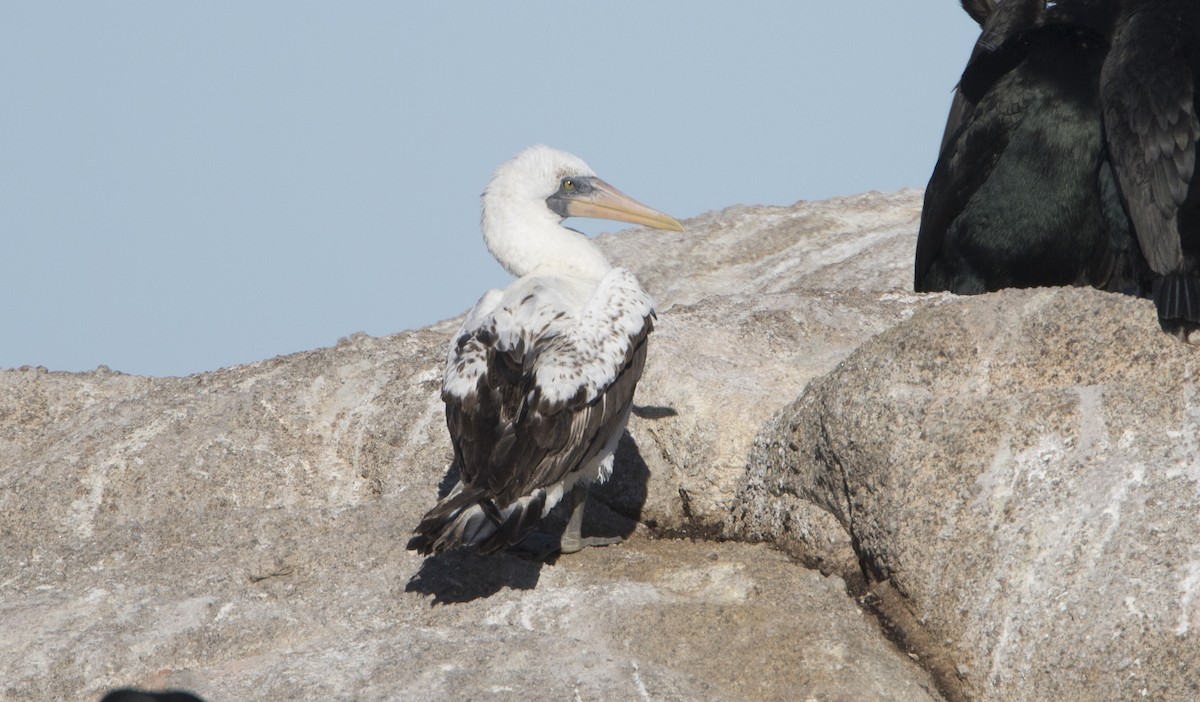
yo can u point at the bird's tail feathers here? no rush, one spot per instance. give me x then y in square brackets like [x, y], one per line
[1177, 297]
[469, 518]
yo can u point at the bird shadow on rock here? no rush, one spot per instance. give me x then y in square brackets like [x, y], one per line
[129, 694]
[623, 495]
[463, 575]
[653, 412]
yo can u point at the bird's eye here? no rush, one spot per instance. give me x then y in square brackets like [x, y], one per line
[568, 184]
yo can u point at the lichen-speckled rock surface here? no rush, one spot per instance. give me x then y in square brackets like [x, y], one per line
[241, 533]
[988, 498]
[1021, 475]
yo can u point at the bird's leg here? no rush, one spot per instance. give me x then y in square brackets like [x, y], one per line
[572, 539]
[541, 547]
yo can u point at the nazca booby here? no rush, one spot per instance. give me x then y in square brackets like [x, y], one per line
[540, 377]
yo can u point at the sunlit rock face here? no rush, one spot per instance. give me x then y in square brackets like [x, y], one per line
[1009, 482]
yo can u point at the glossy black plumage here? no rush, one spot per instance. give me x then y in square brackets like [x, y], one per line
[1148, 89]
[1069, 153]
[1023, 194]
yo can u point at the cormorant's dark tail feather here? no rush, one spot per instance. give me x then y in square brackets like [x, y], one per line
[1177, 297]
[469, 518]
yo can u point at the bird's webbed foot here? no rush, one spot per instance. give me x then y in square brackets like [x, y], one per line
[578, 543]
[541, 546]
[572, 540]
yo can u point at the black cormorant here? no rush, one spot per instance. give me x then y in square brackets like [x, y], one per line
[1148, 91]
[1023, 193]
[1069, 155]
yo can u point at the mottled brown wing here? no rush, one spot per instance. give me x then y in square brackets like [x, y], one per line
[544, 404]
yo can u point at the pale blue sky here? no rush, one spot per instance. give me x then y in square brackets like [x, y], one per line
[190, 186]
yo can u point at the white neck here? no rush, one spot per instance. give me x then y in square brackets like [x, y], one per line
[526, 237]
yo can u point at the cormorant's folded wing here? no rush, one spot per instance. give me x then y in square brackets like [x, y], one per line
[1147, 89]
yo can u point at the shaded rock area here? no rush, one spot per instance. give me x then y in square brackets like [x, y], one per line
[960, 498]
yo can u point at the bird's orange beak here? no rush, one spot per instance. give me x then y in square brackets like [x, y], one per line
[603, 201]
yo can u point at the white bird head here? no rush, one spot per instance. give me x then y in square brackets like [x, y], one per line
[529, 197]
